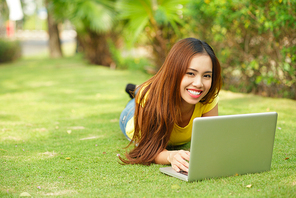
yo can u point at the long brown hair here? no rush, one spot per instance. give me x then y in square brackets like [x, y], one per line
[158, 104]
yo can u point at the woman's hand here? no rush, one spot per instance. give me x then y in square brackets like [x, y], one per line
[179, 160]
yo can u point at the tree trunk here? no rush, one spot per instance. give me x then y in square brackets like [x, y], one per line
[95, 48]
[164, 38]
[159, 53]
[54, 41]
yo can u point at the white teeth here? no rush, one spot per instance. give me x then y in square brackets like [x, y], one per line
[194, 92]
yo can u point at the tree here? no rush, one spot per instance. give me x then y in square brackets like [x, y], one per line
[93, 20]
[54, 42]
[4, 16]
[159, 20]
[255, 40]
[3, 10]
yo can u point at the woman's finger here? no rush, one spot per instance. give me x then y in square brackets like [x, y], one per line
[177, 166]
[185, 155]
[179, 161]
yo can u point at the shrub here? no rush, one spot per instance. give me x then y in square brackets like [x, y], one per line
[255, 42]
[130, 62]
[9, 50]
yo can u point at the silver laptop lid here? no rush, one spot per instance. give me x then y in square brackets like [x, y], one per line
[232, 144]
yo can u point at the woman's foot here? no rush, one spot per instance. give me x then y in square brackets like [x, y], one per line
[130, 90]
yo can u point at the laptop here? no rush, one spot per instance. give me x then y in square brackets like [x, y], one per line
[229, 145]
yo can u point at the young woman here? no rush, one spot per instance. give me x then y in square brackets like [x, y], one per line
[162, 112]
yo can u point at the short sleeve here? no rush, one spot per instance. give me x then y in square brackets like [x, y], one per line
[145, 97]
[210, 106]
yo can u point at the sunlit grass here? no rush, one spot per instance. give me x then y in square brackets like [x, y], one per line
[59, 136]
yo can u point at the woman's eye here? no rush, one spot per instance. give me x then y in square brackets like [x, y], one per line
[190, 73]
[207, 76]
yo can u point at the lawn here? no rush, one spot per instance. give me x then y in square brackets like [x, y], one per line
[59, 136]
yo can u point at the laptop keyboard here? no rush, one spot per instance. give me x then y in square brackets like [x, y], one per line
[184, 172]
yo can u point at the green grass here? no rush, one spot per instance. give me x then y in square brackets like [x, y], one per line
[59, 136]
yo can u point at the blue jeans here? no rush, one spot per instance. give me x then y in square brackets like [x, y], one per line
[126, 115]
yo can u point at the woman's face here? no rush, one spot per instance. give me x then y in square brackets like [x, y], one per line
[197, 81]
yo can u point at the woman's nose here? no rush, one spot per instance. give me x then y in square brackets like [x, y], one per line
[197, 82]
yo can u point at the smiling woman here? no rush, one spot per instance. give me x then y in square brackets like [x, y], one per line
[162, 112]
[197, 81]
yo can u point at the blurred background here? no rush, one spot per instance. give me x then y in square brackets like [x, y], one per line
[255, 40]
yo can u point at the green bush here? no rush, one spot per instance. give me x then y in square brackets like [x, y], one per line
[254, 40]
[128, 62]
[9, 50]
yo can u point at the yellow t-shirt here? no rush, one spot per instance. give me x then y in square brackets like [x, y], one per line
[179, 135]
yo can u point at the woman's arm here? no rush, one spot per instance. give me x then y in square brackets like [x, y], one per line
[178, 159]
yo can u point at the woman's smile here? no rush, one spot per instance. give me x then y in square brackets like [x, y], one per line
[194, 93]
[197, 81]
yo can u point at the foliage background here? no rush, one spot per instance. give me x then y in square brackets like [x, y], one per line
[9, 51]
[255, 40]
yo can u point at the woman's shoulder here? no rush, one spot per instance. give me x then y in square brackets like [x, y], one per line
[140, 92]
[204, 108]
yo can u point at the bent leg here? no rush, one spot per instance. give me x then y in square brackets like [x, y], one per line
[126, 115]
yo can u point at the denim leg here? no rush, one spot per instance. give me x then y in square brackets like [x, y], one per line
[126, 115]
